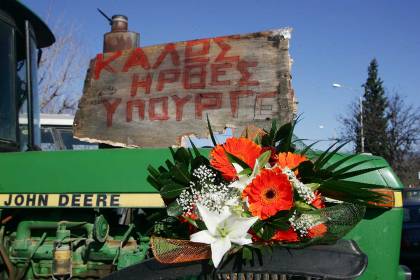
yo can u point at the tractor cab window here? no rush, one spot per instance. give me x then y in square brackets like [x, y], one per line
[27, 93]
[7, 97]
[19, 105]
[22, 99]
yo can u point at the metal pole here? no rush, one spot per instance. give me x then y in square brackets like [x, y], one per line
[362, 136]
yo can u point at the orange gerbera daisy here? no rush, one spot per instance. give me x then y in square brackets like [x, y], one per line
[242, 148]
[268, 193]
[317, 231]
[290, 160]
[289, 235]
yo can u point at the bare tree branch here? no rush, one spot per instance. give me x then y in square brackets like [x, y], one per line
[62, 68]
[403, 131]
[351, 126]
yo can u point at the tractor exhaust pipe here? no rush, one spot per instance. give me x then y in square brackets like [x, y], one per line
[119, 38]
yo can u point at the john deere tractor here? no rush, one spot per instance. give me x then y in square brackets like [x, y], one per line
[88, 214]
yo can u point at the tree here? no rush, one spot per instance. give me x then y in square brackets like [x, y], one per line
[390, 127]
[374, 113]
[409, 168]
[403, 130]
[61, 69]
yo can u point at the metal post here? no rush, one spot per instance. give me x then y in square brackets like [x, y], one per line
[29, 88]
[362, 136]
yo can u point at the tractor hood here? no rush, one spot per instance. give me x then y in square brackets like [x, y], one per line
[107, 178]
[97, 178]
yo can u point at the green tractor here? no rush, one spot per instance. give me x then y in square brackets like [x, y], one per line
[87, 214]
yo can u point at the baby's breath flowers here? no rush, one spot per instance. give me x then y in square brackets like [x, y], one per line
[206, 191]
[303, 223]
[304, 192]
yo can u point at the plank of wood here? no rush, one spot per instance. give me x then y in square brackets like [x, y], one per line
[152, 96]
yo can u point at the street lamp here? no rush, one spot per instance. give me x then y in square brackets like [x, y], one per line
[362, 136]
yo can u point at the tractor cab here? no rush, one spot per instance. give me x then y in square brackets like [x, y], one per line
[22, 36]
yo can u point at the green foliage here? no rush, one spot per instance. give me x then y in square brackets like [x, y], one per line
[279, 137]
[331, 177]
[265, 229]
[262, 161]
[234, 159]
[213, 140]
[172, 179]
[374, 113]
[268, 231]
[326, 156]
[307, 150]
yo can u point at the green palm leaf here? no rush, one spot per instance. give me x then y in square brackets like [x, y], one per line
[349, 167]
[324, 154]
[213, 140]
[353, 192]
[196, 151]
[340, 162]
[308, 148]
[356, 173]
[330, 155]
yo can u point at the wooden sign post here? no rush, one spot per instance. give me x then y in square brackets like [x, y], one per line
[152, 96]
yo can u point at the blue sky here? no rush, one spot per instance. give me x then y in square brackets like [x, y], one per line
[332, 41]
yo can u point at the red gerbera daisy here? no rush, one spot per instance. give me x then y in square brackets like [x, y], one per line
[317, 231]
[242, 148]
[191, 229]
[268, 193]
[273, 157]
[290, 160]
[318, 202]
[289, 235]
[192, 216]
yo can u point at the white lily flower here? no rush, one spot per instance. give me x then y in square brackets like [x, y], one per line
[223, 229]
[242, 182]
[237, 167]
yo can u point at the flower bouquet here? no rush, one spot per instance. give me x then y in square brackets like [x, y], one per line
[256, 191]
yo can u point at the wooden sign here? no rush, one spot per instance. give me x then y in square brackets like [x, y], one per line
[152, 96]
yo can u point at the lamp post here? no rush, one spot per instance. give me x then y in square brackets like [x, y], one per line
[362, 135]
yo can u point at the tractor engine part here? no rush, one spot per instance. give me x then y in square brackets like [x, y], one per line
[62, 261]
[34, 249]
